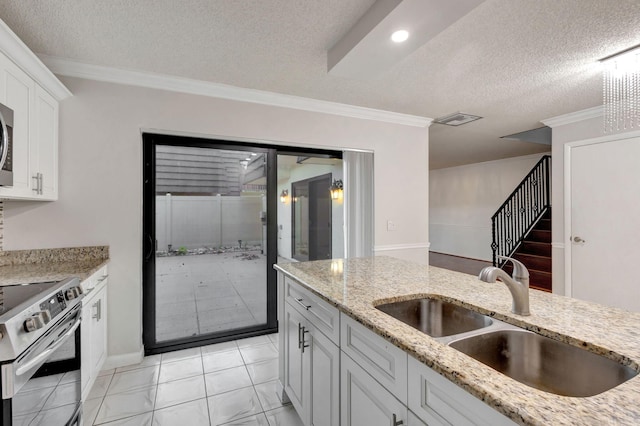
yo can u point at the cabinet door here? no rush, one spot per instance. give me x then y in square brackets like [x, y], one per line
[364, 401]
[294, 365]
[99, 331]
[18, 94]
[324, 380]
[44, 149]
[413, 420]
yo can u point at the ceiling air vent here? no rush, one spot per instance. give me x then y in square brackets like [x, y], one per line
[457, 119]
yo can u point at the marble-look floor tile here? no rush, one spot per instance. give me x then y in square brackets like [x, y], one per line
[284, 416]
[100, 387]
[233, 405]
[126, 404]
[90, 410]
[180, 369]
[227, 380]
[147, 361]
[268, 395]
[221, 360]
[180, 391]
[194, 413]
[257, 420]
[263, 371]
[255, 354]
[180, 355]
[219, 347]
[253, 341]
[135, 379]
[139, 420]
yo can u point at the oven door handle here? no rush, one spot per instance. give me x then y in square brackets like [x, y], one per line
[45, 354]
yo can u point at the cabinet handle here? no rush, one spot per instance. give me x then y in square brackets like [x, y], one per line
[36, 184]
[302, 304]
[299, 335]
[397, 422]
[304, 344]
[98, 306]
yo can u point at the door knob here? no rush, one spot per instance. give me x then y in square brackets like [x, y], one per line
[578, 240]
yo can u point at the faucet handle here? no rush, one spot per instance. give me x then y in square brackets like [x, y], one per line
[519, 270]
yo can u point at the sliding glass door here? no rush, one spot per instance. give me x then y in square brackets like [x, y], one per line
[213, 223]
[208, 275]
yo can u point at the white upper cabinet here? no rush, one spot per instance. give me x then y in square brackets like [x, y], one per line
[33, 93]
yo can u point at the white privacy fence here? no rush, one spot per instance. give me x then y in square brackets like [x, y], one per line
[208, 221]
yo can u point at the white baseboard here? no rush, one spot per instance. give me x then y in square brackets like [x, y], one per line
[122, 360]
[393, 247]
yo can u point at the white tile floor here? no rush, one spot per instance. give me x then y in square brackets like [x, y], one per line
[231, 383]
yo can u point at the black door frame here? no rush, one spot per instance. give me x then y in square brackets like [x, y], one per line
[149, 142]
[306, 182]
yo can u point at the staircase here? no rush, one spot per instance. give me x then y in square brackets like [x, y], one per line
[521, 227]
[535, 254]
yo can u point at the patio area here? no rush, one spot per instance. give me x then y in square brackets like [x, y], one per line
[200, 294]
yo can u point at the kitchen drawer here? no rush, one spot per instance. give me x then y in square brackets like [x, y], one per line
[436, 400]
[94, 279]
[384, 361]
[320, 313]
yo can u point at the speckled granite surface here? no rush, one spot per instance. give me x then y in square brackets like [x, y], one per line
[30, 266]
[614, 333]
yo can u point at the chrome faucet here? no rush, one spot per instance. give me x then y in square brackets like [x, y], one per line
[518, 285]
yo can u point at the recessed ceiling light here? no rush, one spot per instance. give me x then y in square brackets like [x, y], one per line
[400, 36]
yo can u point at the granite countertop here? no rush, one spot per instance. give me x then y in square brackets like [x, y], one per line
[356, 285]
[32, 266]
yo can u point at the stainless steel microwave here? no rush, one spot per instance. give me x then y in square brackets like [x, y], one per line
[6, 146]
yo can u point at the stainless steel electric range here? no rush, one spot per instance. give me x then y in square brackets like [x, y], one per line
[40, 385]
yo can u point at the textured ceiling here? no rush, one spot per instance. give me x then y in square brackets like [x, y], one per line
[513, 62]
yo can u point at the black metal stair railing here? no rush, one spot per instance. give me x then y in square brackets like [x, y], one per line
[521, 211]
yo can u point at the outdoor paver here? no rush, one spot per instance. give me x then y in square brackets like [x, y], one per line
[199, 294]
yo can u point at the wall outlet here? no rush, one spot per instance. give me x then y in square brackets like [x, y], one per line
[391, 225]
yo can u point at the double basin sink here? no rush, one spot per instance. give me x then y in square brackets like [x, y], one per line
[534, 360]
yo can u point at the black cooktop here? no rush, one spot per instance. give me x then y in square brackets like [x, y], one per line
[13, 295]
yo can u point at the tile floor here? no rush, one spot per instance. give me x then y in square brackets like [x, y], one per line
[231, 383]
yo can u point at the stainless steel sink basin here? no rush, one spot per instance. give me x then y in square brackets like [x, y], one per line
[435, 317]
[544, 363]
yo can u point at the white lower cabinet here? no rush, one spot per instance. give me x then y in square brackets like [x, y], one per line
[357, 378]
[437, 401]
[93, 336]
[366, 402]
[413, 420]
[312, 370]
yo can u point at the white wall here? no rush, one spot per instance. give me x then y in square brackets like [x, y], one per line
[462, 200]
[587, 124]
[306, 171]
[100, 198]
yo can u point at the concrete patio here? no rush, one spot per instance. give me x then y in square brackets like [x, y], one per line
[200, 294]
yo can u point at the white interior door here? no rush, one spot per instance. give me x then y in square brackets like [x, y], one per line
[605, 223]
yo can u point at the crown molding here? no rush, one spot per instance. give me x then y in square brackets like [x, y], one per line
[27, 61]
[574, 117]
[70, 68]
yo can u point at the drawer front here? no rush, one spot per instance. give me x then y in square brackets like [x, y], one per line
[384, 361]
[437, 400]
[323, 316]
[95, 279]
